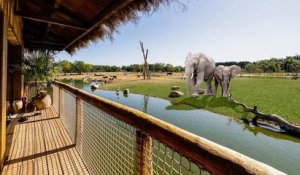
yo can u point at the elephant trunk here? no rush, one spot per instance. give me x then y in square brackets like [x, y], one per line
[224, 92]
[189, 79]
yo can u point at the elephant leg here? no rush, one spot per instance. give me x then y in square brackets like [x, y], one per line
[200, 77]
[208, 90]
[216, 87]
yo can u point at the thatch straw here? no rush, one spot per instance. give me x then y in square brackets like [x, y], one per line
[130, 13]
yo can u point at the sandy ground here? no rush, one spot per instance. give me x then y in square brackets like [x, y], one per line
[121, 76]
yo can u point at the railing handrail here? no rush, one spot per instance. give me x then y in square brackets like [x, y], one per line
[213, 157]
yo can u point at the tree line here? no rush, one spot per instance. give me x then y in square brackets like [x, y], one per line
[273, 65]
[81, 67]
[288, 64]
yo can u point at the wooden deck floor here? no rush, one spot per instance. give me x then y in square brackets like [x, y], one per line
[41, 146]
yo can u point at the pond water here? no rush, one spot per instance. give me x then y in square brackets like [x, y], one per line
[276, 149]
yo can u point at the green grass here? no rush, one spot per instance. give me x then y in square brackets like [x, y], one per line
[275, 96]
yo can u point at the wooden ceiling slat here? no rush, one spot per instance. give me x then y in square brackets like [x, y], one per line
[51, 21]
[96, 3]
[69, 14]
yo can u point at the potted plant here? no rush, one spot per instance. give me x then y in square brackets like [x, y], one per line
[38, 69]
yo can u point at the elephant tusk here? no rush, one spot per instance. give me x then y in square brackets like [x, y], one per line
[192, 75]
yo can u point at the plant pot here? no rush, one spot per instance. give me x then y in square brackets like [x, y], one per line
[17, 106]
[42, 102]
[30, 107]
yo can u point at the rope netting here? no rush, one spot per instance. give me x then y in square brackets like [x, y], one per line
[110, 146]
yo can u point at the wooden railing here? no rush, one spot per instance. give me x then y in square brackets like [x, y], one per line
[178, 146]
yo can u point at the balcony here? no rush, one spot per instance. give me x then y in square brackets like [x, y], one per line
[41, 146]
[85, 134]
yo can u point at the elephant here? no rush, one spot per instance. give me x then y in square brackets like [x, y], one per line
[223, 75]
[199, 68]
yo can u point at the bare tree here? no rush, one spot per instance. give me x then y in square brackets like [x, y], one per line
[146, 72]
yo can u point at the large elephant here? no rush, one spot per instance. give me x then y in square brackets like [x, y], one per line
[198, 68]
[223, 75]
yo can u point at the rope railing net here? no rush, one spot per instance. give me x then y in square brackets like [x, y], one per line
[69, 113]
[56, 98]
[167, 161]
[110, 146]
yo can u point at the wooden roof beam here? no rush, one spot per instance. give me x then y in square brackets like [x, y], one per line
[52, 21]
[43, 46]
[56, 5]
[106, 13]
[39, 34]
[45, 42]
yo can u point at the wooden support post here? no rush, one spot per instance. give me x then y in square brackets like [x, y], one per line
[61, 104]
[18, 77]
[79, 125]
[15, 82]
[3, 83]
[144, 154]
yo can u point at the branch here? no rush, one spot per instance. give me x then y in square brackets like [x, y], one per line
[283, 124]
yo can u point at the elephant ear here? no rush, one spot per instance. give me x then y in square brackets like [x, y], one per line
[219, 71]
[234, 69]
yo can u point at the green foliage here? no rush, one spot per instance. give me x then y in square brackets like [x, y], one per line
[289, 64]
[66, 66]
[241, 64]
[157, 67]
[169, 68]
[79, 66]
[38, 66]
[274, 96]
[88, 67]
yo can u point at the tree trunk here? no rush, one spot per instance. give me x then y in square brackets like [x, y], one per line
[283, 124]
[146, 72]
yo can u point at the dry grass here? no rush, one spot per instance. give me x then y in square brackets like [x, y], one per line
[122, 77]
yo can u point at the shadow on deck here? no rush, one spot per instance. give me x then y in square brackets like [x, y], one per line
[41, 146]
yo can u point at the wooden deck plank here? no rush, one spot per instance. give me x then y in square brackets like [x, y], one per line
[42, 146]
[65, 155]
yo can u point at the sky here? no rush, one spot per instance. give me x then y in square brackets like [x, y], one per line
[226, 30]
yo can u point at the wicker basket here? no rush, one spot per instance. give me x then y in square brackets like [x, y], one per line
[42, 101]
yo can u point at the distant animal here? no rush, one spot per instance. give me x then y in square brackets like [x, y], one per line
[114, 77]
[223, 75]
[169, 73]
[105, 77]
[199, 68]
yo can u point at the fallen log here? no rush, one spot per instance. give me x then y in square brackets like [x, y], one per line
[289, 128]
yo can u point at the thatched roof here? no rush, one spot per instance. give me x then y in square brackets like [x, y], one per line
[70, 25]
